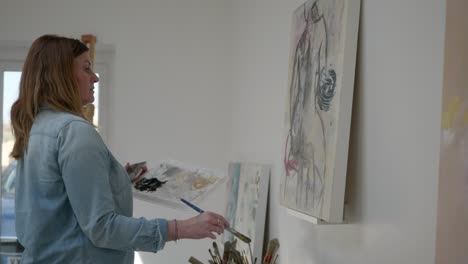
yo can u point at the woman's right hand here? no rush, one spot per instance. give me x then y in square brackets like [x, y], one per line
[201, 226]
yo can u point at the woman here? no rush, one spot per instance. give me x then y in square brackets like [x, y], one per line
[73, 199]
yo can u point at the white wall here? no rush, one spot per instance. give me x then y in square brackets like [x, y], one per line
[205, 81]
[171, 60]
[393, 165]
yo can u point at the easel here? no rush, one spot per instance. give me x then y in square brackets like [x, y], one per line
[90, 41]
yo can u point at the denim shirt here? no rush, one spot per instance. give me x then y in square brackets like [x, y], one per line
[74, 199]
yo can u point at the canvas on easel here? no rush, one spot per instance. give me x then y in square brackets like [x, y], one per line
[247, 194]
[319, 103]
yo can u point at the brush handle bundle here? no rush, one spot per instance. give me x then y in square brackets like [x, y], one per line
[233, 256]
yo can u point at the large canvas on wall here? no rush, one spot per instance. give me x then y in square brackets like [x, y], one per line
[452, 220]
[319, 103]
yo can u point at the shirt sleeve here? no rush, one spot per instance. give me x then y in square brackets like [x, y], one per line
[84, 162]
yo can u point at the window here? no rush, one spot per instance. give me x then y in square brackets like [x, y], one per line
[10, 93]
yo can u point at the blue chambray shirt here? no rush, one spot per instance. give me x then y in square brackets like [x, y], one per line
[74, 199]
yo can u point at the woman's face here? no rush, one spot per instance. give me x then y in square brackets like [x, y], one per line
[85, 78]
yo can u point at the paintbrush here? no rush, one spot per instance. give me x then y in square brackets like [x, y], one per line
[251, 255]
[237, 257]
[238, 234]
[276, 258]
[194, 261]
[230, 229]
[216, 250]
[272, 247]
[213, 256]
[227, 249]
[244, 257]
[276, 246]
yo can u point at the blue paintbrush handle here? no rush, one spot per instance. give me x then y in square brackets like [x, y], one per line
[194, 207]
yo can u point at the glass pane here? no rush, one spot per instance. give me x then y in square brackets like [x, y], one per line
[10, 94]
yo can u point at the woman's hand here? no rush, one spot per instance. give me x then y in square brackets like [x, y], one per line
[135, 175]
[128, 168]
[201, 226]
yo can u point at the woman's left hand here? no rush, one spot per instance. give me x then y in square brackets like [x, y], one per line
[141, 170]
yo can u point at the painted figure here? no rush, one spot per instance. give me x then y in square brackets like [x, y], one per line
[312, 87]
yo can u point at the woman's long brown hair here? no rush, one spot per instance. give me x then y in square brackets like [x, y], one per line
[47, 80]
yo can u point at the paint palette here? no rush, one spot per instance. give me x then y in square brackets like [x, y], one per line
[180, 181]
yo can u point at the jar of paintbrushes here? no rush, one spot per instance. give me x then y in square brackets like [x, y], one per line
[232, 255]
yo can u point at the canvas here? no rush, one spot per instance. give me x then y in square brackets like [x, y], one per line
[319, 103]
[247, 193]
[452, 220]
